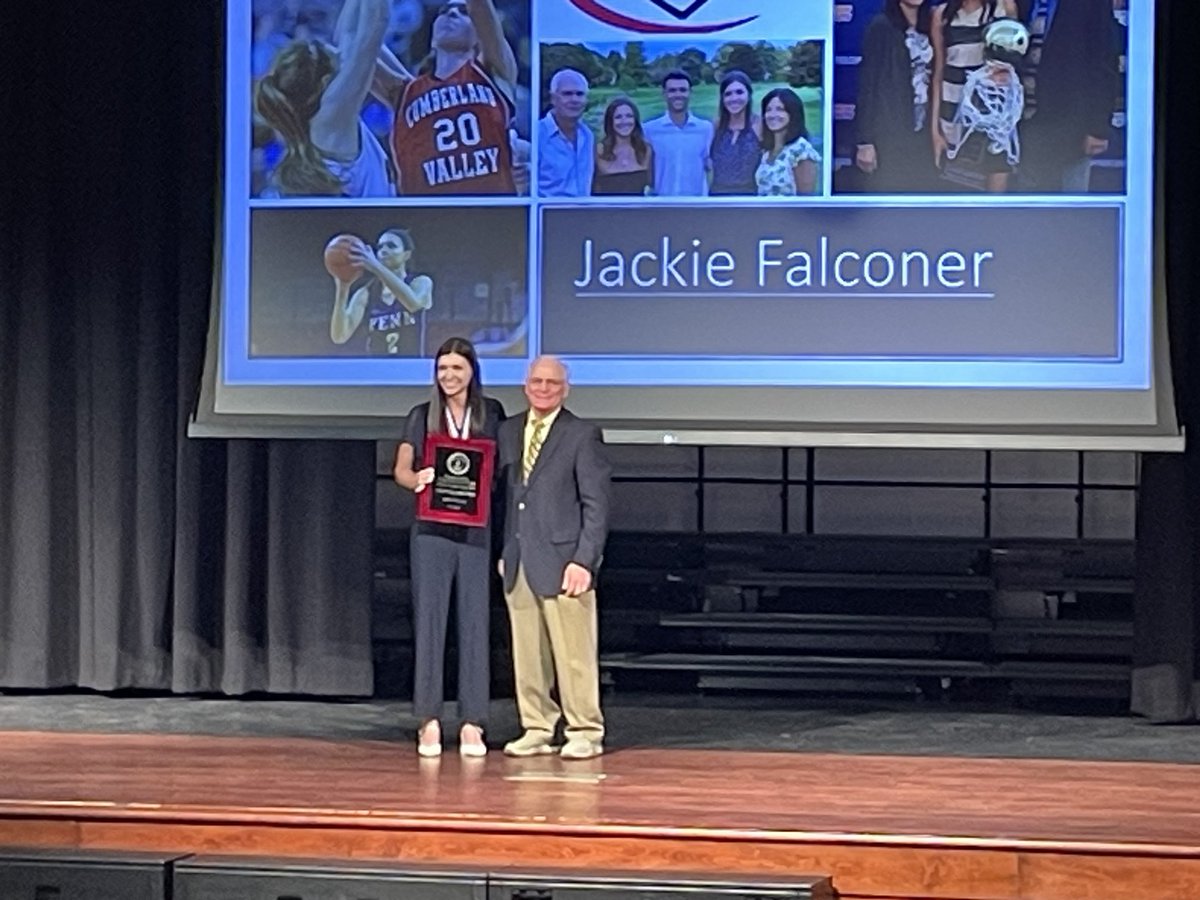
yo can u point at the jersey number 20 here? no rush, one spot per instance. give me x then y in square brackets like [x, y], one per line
[452, 132]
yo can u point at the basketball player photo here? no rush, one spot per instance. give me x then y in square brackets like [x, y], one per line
[383, 98]
[388, 282]
[384, 308]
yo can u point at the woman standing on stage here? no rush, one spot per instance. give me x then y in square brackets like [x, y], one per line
[441, 554]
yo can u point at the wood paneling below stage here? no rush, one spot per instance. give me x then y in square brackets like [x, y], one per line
[883, 827]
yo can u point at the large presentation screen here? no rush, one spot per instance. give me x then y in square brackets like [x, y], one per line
[740, 214]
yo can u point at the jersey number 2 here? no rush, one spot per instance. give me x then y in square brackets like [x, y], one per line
[453, 132]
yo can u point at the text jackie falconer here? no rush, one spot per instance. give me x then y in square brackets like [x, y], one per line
[665, 267]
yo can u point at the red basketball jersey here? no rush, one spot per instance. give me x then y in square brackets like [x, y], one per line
[450, 135]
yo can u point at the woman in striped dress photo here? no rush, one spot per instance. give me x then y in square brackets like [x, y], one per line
[958, 50]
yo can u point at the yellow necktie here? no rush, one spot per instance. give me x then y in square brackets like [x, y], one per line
[535, 446]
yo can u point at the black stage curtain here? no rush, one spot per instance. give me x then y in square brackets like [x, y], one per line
[1166, 656]
[131, 556]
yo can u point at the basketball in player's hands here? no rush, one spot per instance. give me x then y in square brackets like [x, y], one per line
[338, 259]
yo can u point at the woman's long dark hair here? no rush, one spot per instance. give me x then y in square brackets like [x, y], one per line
[797, 128]
[436, 423]
[740, 77]
[891, 9]
[637, 138]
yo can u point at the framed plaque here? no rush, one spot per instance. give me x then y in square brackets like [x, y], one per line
[461, 492]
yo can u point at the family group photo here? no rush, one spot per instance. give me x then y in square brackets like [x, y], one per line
[686, 119]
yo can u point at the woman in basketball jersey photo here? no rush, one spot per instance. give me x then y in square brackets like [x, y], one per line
[390, 304]
[452, 120]
[958, 50]
[442, 554]
[312, 97]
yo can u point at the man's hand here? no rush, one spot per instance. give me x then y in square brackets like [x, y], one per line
[1094, 146]
[576, 580]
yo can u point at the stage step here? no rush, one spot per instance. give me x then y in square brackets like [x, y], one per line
[1073, 628]
[1099, 629]
[640, 576]
[1041, 670]
[1052, 585]
[818, 622]
[875, 667]
[794, 665]
[882, 581]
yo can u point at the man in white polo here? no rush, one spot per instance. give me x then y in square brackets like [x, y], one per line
[566, 146]
[682, 142]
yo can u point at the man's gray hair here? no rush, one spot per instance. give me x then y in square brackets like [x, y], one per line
[562, 75]
[550, 359]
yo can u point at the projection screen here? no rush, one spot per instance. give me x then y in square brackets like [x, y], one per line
[737, 221]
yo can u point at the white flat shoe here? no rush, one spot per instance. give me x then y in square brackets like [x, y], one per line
[472, 748]
[432, 749]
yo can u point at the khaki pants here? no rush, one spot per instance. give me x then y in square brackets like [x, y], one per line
[556, 636]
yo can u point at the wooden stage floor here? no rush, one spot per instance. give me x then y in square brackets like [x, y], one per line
[882, 826]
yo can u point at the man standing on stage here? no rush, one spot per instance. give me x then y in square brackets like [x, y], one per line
[556, 524]
[682, 142]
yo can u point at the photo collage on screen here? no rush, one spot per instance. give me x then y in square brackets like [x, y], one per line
[562, 175]
[389, 177]
[980, 97]
[400, 151]
[684, 115]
